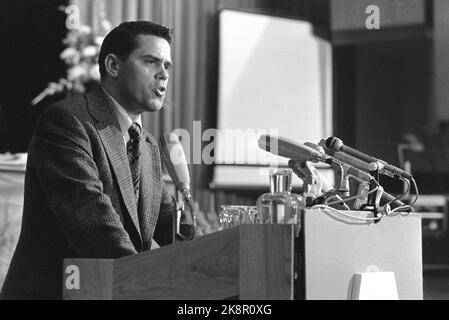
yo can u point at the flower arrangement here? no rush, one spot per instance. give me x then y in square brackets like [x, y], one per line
[82, 47]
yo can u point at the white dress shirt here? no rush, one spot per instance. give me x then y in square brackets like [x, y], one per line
[123, 117]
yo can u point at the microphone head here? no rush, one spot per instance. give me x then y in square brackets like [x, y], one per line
[334, 143]
[314, 146]
[174, 159]
[327, 151]
[264, 142]
[288, 148]
[322, 143]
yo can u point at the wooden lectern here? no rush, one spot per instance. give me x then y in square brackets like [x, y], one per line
[331, 257]
[245, 262]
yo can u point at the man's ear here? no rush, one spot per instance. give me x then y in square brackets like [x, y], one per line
[111, 64]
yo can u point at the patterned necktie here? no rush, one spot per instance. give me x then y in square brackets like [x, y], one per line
[133, 150]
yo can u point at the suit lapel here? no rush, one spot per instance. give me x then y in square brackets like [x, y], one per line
[150, 191]
[112, 138]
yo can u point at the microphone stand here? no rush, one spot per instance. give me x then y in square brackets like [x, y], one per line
[304, 171]
[372, 202]
[183, 197]
[342, 187]
[179, 207]
[362, 190]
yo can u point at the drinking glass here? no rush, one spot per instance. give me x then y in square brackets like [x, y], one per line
[235, 215]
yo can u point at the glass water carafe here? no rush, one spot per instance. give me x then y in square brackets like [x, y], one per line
[280, 205]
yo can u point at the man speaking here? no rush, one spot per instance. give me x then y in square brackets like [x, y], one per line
[93, 184]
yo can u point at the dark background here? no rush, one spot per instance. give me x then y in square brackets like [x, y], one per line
[31, 34]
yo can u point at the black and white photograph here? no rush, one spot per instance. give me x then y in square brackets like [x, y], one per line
[224, 154]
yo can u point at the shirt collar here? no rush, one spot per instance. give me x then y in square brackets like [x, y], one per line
[123, 117]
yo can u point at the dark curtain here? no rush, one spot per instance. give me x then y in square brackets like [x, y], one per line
[31, 34]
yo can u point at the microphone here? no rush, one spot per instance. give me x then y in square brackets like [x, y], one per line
[353, 161]
[315, 147]
[175, 161]
[336, 144]
[287, 148]
[343, 157]
[362, 165]
[310, 175]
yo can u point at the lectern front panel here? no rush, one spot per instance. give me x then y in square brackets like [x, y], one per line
[337, 247]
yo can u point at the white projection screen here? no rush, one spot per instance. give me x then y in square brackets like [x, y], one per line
[275, 77]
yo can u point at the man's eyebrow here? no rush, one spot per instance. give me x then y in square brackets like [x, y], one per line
[157, 59]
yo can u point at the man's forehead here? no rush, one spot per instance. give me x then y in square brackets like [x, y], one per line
[151, 45]
[149, 41]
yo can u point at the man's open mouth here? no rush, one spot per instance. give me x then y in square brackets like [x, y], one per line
[159, 92]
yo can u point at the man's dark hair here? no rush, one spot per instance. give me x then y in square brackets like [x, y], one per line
[122, 40]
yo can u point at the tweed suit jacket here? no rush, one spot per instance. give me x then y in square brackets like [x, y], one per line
[79, 199]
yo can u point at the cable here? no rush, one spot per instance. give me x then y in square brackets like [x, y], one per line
[387, 206]
[415, 186]
[325, 207]
[408, 207]
[339, 201]
[354, 197]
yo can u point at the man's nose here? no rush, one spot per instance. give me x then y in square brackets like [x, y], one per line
[162, 75]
